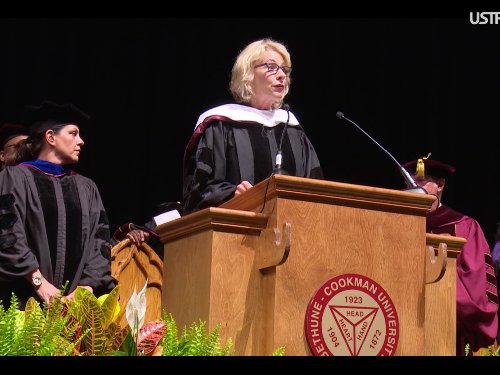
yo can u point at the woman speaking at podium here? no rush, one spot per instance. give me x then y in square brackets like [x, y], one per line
[235, 146]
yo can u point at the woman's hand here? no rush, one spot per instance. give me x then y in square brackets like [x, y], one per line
[47, 292]
[242, 187]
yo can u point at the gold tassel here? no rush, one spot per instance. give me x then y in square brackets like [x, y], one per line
[421, 166]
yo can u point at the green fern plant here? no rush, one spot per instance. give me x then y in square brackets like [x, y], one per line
[194, 340]
[38, 331]
[279, 352]
[492, 351]
[467, 349]
[90, 326]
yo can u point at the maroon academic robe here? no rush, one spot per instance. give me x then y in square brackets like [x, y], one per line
[477, 298]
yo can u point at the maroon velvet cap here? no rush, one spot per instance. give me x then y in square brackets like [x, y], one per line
[431, 167]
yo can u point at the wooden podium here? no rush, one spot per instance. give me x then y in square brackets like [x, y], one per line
[253, 264]
[440, 298]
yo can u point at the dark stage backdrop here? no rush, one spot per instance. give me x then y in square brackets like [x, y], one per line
[416, 85]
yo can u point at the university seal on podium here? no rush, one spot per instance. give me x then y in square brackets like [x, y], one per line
[351, 315]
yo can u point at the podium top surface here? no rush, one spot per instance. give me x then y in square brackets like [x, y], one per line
[331, 192]
[242, 214]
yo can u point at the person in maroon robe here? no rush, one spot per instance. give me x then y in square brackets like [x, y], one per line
[477, 298]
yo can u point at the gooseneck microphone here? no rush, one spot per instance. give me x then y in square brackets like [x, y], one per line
[410, 182]
[279, 154]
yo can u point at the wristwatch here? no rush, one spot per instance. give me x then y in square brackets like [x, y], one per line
[36, 280]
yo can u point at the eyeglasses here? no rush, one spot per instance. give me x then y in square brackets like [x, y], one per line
[273, 67]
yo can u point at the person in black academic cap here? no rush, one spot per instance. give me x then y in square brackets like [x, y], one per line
[53, 225]
[477, 297]
[10, 135]
[235, 146]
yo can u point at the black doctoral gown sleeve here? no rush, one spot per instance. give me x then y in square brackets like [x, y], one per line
[16, 258]
[210, 180]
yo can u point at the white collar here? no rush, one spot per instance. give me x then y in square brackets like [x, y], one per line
[238, 112]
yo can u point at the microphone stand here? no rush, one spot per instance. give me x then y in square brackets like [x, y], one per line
[410, 182]
[279, 154]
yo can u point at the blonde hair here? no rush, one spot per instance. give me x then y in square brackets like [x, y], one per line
[243, 69]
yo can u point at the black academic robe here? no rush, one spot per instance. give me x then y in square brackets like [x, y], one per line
[222, 153]
[55, 223]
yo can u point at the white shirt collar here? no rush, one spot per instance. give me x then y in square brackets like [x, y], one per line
[238, 112]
